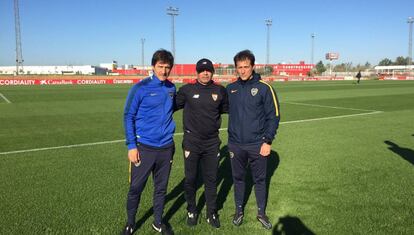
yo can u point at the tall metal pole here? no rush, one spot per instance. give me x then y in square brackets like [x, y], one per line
[268, 24]
[142, 52]
[312, 46]
[19, 54]
[410, 40]
[172, 11]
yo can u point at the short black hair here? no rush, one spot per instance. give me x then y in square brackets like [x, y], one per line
[244, 55]
[163, 56]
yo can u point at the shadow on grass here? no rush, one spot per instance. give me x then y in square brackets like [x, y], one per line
[272, 164]
[289, 225]
[405, 153]
[177, 194]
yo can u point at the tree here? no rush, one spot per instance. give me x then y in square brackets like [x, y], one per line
[385, 62]
[400, 60]
[268, 69]
[320, 67]
[340, 68]
[367, 65]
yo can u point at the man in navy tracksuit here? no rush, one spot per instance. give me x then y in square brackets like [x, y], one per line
[149, 130]
[203, 104]
[253, 120]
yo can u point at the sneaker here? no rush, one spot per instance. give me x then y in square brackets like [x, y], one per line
[213, 220]
[192, 219]
[238, 218]
[128, 230]
[162, 228]
[264, 220]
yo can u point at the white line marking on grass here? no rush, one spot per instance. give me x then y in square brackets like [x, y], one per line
[332, 107]
[4, 98]
[332, 117]
[77, 145]
[177, 134]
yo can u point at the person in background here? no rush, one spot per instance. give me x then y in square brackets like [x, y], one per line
[358, 76]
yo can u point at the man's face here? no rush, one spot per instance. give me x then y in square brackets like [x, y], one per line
[244, 69]
[204, 77]
[162, 70]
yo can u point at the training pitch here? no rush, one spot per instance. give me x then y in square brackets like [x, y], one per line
[342, 163]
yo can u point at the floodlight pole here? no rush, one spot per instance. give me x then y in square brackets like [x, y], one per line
[410, 39]
[172, 11]
[268, 24]
[312, 46]
[19, 53]
[142, 52]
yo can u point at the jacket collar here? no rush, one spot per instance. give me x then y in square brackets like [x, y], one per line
[156, 80]
[255, 78]
[197, 83]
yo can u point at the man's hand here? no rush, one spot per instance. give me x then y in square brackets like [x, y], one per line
[133, 156]
[265, 149]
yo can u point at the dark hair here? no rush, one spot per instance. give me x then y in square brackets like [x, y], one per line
[244, 55]
[163, 56]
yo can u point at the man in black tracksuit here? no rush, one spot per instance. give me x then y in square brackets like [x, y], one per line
[203, 104]
[253, 120]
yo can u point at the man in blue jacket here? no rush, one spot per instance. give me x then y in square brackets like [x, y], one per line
[253, 120]
[149, 129]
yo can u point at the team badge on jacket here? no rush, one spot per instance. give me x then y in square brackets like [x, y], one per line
[214, 96]
[186, 153]
[254, 91]
[231, 155]
[171, 94]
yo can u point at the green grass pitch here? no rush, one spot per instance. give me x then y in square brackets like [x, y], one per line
[342, 163]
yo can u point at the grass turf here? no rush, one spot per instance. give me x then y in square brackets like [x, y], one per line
[347, 175]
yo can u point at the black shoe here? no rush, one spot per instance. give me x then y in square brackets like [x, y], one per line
[213, 220]
[192, 219]
[238, 218]
[162, 228]
[128, 230]
[264, 221]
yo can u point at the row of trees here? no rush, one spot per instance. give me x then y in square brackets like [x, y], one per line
[320, 67]
[343, 67]
[400, 60]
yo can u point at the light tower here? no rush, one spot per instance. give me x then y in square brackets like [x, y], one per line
[172, 11]
[142, 52]
[410, 39]
[312, 46]
[268, 24]
[19, 54]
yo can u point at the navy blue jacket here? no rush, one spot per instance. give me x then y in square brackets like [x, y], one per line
[253, 111]
[148, 113]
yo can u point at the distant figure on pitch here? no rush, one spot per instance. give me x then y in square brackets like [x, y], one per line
[358, 76]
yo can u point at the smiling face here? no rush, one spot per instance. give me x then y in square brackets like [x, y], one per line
[244, 69]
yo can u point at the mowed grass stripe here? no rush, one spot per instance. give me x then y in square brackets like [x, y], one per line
[175, 134]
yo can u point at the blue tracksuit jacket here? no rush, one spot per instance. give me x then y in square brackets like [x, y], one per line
[253, 111]
[148, 113]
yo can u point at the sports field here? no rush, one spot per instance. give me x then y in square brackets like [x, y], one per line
[342, 163]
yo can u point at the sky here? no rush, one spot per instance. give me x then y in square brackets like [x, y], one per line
[90, 32]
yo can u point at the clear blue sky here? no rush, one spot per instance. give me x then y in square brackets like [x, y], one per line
[80, 32]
